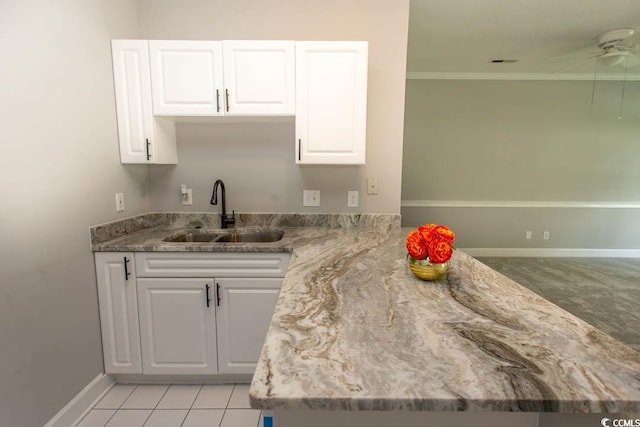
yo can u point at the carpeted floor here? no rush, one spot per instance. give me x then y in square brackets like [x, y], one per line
[604, 292]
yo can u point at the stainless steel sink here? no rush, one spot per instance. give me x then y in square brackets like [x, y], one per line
[190, 236]
[251, 236]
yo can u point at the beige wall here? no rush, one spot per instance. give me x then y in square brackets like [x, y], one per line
[60, 171]
[524, 141]
[207, 152]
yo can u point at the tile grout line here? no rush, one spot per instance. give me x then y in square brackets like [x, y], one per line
[191, 406]
[135, 386]
[196, 398]
[112, 415]
[93, 408]
[230, 396]
[154, 408]
[226, 407]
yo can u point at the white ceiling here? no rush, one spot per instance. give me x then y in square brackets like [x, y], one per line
[463, 36]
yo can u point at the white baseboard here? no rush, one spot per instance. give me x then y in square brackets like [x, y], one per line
[553, 252]
[82, 402]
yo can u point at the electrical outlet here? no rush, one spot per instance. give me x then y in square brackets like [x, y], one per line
[187, 198]
[528, 235]
[311, 198]
[352, 199]
[545, 235]
[372, 186]
[119, 202]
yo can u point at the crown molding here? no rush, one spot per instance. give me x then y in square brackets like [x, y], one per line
[419, 75]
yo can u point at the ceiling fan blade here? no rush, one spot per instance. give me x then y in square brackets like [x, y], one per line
[575, 64]
[572, 55]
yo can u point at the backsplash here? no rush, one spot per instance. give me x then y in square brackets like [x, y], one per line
[112, 230]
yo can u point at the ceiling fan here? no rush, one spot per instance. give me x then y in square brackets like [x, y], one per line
[616, 48]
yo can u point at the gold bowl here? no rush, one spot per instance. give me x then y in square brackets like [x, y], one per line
[425, 270]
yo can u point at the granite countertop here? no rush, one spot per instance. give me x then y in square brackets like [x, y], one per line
[146, 232]
[354, 330]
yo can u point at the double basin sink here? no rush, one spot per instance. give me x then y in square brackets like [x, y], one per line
[238, 236]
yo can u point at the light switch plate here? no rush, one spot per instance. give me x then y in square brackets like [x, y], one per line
[119, 202]
[311, 198]
[372, 186]
[352, 199]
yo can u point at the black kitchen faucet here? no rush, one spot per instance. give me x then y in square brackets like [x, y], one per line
[225, 220]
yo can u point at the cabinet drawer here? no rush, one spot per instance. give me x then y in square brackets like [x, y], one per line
[211, 264]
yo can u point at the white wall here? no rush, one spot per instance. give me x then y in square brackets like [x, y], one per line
[60, 166]
[60, 171]
[274, 184]
[524, 141]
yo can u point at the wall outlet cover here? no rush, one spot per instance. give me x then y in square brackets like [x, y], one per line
[187, 198]
[119, 202]
[311, 198]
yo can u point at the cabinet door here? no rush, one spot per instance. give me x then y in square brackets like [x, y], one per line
[186, 77]
[177, 326]
[331, 102]
[118, 306]
[143, 138]
[244, 315]
[259, 77]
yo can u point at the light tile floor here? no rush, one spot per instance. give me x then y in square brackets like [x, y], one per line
[127, 405]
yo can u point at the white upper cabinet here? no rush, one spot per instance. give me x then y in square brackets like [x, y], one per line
[331, 102]
[143, 137]
[186, 77]
[259, 77]
[324, 84]
[212, 78]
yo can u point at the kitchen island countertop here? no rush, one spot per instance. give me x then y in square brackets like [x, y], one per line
[354, 330]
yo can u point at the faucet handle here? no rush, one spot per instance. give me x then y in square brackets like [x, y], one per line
[230, 220]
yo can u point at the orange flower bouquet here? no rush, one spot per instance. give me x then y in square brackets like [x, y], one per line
[429, 249]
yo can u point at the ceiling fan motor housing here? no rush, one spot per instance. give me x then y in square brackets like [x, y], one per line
[614, 38]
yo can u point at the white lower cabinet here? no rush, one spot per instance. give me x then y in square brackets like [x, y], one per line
[118, 303]
[177, 326]
[182, 323]
[245, 309]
